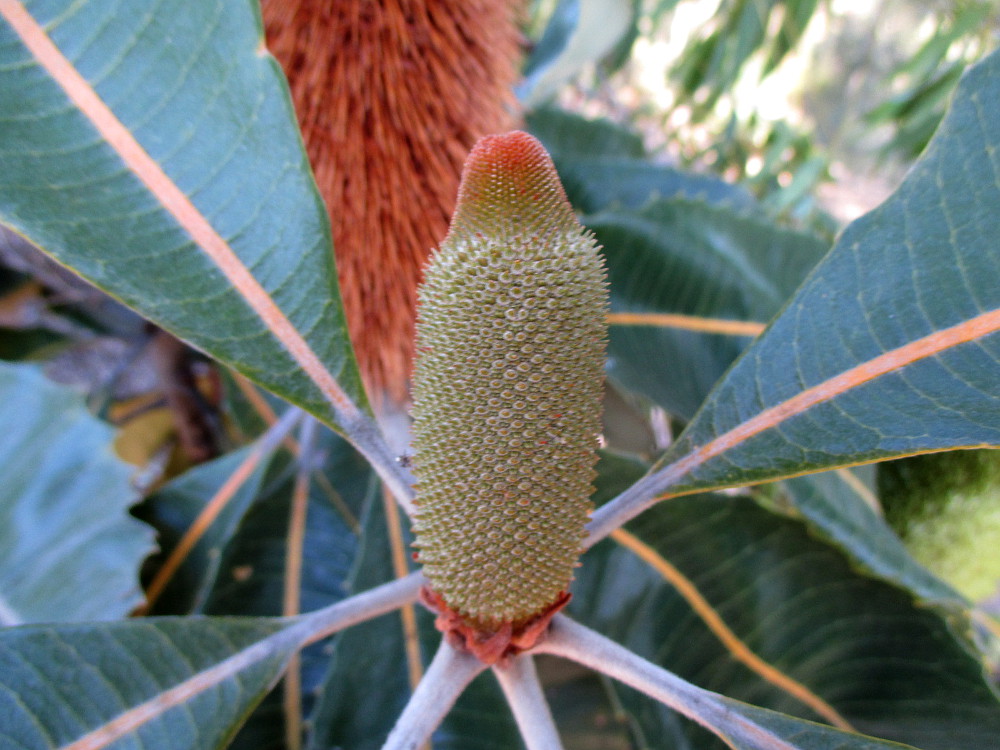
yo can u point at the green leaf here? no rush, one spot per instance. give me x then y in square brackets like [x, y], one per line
[68, 548]
[61, 682]
[692, 258]
[364, 689]
[174, 508]
[165, 166]
[807, 736]
[565, 133]
[616, 472]
[602, 166]
[929, 76]
[252, 572]
[887, 665]
[890, 347]
[595, 183]
[834, 508]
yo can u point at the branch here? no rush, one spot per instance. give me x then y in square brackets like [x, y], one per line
[301, 632]
[573, 641]
[365, 436]
[519, 682]
[359, 608]
[448, 675]
[633, 501]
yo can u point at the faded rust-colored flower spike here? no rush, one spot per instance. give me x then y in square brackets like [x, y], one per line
[391, 95]
[511, 337]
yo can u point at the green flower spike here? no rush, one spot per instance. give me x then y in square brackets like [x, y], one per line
[946, 507]
[507, 385]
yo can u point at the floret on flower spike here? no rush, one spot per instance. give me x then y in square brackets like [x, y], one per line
[507, 386]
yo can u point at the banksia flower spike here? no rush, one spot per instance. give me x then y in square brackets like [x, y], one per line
[391, 94]
[511, 336]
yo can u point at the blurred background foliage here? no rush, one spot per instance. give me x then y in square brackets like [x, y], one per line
[815, 106]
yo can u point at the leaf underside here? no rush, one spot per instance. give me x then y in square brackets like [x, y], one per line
[68, 549]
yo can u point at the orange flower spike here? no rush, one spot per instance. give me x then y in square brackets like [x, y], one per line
[507, 387]
[390, 96]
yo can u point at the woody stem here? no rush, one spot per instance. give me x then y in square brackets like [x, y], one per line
[722, 716]
[448, 675]
[519, 682]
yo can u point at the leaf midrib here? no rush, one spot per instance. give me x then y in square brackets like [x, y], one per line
[673, 476]
[884, 364]
[174, 201]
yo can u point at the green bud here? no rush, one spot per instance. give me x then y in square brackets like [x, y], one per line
[507, 386]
